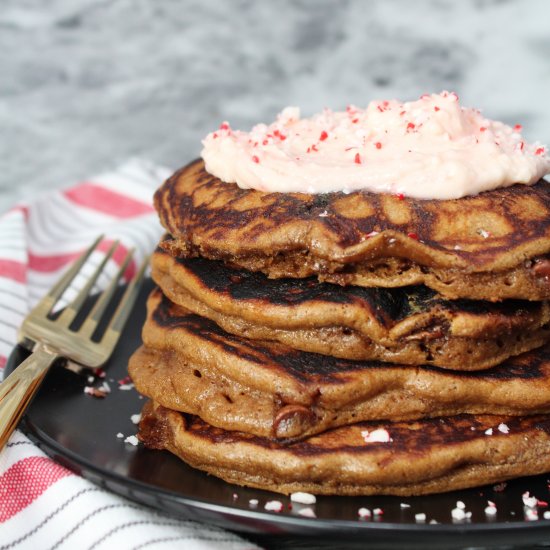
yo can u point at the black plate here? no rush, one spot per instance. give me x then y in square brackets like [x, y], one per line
[80, 432]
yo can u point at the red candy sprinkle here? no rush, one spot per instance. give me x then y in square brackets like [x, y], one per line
[412, 236]
[436, 108]
[314, 148]
[357, 158]
[323, 136]
[214, 135]
[400, 196]
[482, 129]
[518, 128]
[521, 145]
[410, 126]
[539, 151]
[355, 121]
[224, 126]
[265, 142]
[402, 113]
[282, 137]
[255, 159]
[378, 145]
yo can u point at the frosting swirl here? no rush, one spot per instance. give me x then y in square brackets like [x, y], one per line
[432, 148]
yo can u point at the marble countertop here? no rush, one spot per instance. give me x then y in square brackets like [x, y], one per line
[86, 85]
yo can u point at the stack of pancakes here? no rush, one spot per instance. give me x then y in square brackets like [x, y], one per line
[349, 343]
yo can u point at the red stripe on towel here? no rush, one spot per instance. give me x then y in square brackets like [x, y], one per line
[109, 202]
[25, 481]
[47, 264]
[11, 269]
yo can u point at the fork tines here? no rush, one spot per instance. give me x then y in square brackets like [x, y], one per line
[44, 311]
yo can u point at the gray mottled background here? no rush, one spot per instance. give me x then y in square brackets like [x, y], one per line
[86, 84]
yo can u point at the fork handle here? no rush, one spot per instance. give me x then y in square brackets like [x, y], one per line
[18, 389]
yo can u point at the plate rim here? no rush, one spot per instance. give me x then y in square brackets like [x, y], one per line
[42, 439]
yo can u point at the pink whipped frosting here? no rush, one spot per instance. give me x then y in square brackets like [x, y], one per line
[430, 149]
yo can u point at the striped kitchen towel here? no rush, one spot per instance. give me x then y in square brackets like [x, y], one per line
[42, 504]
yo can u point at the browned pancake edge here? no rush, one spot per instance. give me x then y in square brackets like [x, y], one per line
[422, 457]
[410, 325]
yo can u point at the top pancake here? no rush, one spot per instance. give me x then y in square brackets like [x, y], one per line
[490, 246]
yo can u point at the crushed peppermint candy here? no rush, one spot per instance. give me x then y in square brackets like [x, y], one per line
[531, 514]
[135, 418]
[404, 505]
[529, 501]
[303, 498]
[323, 214]
[546, 515]
[420, 518]
[459, 513]
[307, 512]
[126, 387]
[503, 428]
[491, 510]
[489, 431]
[274, 506]
[378, 512]
[95, 392]
[376, 436]
[253, 503]
[120, 435]
[132, 440]
[483, 233]
[364, 513]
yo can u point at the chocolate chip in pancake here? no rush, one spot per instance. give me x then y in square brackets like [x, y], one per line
[400, 458]
[409, 325]
[490, 246]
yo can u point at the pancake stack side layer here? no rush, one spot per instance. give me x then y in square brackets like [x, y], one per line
[348, 343]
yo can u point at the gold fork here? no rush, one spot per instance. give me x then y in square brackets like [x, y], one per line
[52, 337]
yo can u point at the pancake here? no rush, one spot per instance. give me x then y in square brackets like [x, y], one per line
[491, 246]
[427, 456]
[270, 390]
[410, 325]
